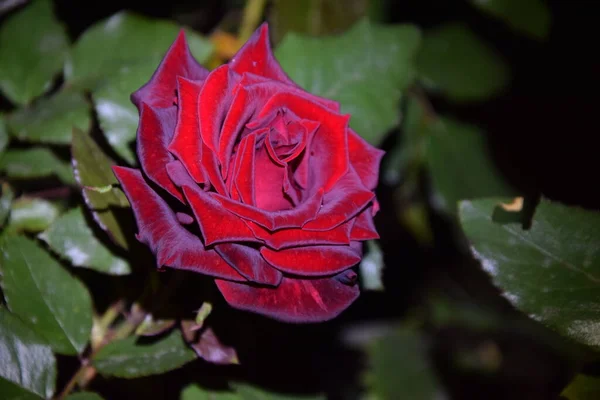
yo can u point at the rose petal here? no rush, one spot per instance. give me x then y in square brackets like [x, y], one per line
[187, 143]
[249, 263]
[294, 237]
[158, 228]
[243, 173]
[153, 136]
[364, 228]
[295, 300]
[313, 260]
[213, 104]
[256, 57]
[344, 201]
[328, 149]
[365, 159]
[178, 61]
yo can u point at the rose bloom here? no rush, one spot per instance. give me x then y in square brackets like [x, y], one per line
[250, 179]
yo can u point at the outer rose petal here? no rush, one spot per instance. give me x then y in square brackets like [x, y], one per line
[364, 228]
[314, 260]
[160, 230]
[178, 61]
[153, 136]
[285, 238]
[295, 300]
[249, 263]
[365, 159]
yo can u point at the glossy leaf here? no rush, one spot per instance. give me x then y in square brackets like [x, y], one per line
[44, 294]
[400, 368]
[365, 69]
[51, 120]
[454, 61]
[128, 359]
[33, 163]
[195, 392]
[27, 367]
[583, 388]
[551, 271]
[33, 47]
[248, 392]
[31, 215]
[3, 135]
[84, 396]
[460, 164]
[531, 17]
[72, 238]
[5, 203]
[93, 169]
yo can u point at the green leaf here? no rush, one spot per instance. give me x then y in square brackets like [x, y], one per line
[583, 388]
[93, 169]
[365, 69]
[71, 238]
[3, 135]
[33, 47]
[551, 271]
[51, 120]
[195, 392]
[128, 359]
[31, 215]
[117, 56]
[42, 293]
[5, 203]
[400, 369]
[247, 392]
[531, 17]
[454, 61]
[460, 164]
[27, 367]
[33, 163]
[84, 396]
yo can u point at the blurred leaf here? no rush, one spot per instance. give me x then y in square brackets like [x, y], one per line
[33, 163]
[33, 47]
[531, 17]
[3, 135]
[371, 267]
[315, 17]
[460, 164]
[195, 392]
[247, 392]
[93, 169]
[206, 344]
[551, 271]
[456, 62]
[153, 327]
[583, 388]
[365, 69]
[84, 396]
[400, 369]
[27, 367]
[72, 239]
[5, 203]
[117, 56]
[51, 120]
[128, 359]
[42, 293]
[31, 215]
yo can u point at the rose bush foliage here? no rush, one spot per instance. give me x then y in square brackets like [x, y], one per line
[250, 179]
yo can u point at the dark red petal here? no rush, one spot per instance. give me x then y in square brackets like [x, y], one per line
[153, 136]
[365, 159]
[295, 300]
[249, 263]
[213, 105]
[364, 228]
[257, 58]
[292, 237]
[243, 174]
[344, 201]
[313, 260]
[187, 143]
[328, 148]
[178, 61]
[158, 227]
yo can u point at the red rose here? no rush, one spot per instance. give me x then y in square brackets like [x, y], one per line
[248, 178]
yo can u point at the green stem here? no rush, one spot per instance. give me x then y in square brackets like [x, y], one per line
[252, 15]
